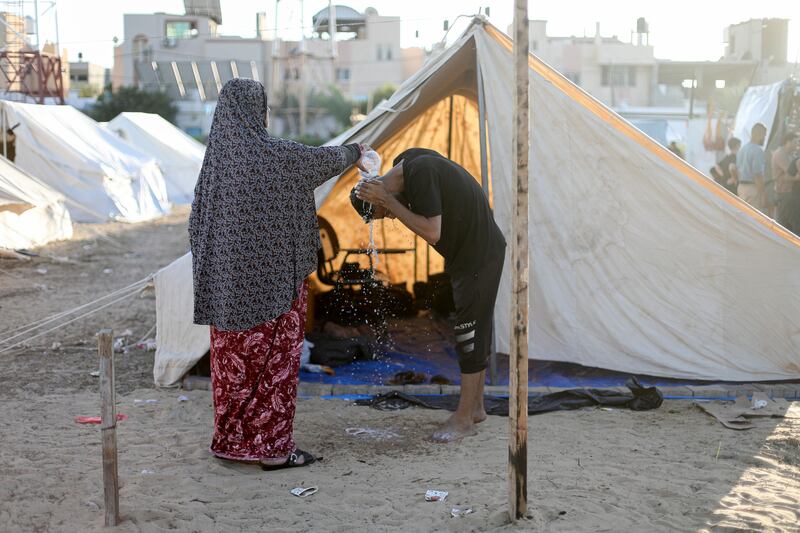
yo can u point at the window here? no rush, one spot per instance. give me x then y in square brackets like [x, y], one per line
[388, 53]
[631, 76]
[83, 77]
[380, 52]
[181, 29]
[342, 74]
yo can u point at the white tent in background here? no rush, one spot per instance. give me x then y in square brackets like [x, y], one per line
[31, 213]
[759, 104]
[179, 155]
[101, 176]
[640, 263]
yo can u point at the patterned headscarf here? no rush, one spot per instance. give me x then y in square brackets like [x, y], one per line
[253, 227]
[241, 111]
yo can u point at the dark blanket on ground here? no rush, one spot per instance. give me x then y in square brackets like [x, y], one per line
[638, 399]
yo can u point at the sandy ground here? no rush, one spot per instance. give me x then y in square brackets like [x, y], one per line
[673, 469]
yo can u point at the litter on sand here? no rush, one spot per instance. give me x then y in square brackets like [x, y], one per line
[456, 512]
[97, 419]
[95, 373]
[148, 345]
[139, 402]
[147, 472]
[377, 434]
[183, 398]
[436, 495]
[119, 345]
[304, 492]
[745, 413]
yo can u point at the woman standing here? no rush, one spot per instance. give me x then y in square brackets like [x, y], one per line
[254, 240]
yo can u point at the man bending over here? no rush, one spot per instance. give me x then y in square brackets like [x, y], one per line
[442, 203]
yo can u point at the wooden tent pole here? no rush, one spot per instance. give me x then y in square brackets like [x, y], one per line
[108, 427]
[5, 132]
[485, 186]
[518, 359]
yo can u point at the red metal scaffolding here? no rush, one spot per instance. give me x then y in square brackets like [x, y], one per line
[32, 74]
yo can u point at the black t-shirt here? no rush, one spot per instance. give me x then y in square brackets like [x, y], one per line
[725, 164]
[434, 186]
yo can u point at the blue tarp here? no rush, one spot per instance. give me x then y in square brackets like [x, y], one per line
[426, 346]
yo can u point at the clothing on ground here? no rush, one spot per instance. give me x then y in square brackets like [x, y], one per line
[638, 399]
[433, 186]
[750, 162]
[253, 227]
[254, 381]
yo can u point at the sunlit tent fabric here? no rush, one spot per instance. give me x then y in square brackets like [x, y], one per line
[759, 104]
[179, 155]
[101, 176]
[31, 213]
[640, 263]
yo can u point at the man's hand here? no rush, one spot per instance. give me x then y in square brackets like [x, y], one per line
[374, 192]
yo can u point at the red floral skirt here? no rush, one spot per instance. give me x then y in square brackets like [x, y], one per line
[254, 379]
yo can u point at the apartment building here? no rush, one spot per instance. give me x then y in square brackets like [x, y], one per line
[187, 56]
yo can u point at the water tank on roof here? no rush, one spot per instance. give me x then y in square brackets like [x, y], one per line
[205, 8]
[347, 19]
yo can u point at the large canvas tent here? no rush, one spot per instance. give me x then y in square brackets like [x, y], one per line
[640, 263]
[31, 213]
[179, 155]
[101, 176]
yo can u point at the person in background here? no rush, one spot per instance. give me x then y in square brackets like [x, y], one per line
[254, 239]
[441, 202]
[791, 215]
[750, 165]
[725, 172]
[675, 149]
[780, 173]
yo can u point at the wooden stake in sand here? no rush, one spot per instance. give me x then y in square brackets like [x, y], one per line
[518, 361]
[108, 413]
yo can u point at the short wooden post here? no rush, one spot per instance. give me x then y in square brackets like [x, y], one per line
[108, 427]
[518, 359]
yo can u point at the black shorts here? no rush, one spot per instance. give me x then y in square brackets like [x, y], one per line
[475, 296]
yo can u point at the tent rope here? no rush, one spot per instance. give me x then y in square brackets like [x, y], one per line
[21, 330]
[84, 315]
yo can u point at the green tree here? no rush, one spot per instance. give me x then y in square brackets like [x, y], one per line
[110, 104]
[383, 93]
[334, 102]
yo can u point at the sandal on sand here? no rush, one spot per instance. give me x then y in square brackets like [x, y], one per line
[291, 462]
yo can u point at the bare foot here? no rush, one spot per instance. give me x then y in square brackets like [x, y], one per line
[453, 430]
[479, 416]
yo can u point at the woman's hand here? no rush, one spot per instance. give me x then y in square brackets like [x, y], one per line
[374, 192]
[364, 149]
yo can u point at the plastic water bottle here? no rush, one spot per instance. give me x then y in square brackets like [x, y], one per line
[372, 162]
